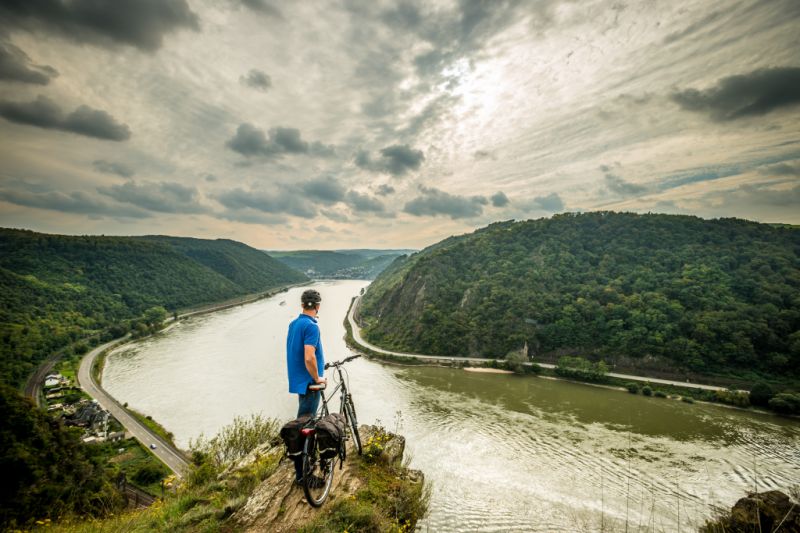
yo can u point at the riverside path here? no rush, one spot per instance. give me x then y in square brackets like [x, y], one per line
[360, 341]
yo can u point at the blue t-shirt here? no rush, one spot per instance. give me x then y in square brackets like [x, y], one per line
[303, 331]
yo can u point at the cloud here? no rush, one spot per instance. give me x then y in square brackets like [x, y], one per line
[384, 190]
[138, 23]
[74, 202]
[327, 191]
[110, 167]
[499, 199]
[551, 203]
[755, 93]
[211, 178]
[44, 113]
[263, 6]
[617, 185]
[323, 229]
[480, 155]
[15, 65]
[256, 79]
[782, 169]
[280, 201]
[334, 215]
[252, 142]
[163, 197]
[435, 202]
[363, 203]
[396, 160]
[250, 216]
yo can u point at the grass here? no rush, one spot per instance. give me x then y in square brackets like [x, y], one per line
[389, 499]
[201, 502]
[154, 426]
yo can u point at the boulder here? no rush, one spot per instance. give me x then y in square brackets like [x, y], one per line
[765, 511]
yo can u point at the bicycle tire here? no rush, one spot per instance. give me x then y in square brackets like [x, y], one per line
[351, 416]
[315, 496]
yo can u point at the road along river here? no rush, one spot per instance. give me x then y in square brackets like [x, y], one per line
[503, 453]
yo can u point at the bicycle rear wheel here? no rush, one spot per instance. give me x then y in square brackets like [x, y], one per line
[317, 473]
[350, 409]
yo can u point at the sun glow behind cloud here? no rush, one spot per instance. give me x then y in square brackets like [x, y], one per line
[558, 105]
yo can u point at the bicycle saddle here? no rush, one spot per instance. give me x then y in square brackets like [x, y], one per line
[317, 386]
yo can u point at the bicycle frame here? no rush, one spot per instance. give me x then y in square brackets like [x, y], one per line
[344, 394]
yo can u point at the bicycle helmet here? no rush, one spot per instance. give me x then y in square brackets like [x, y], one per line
[310, 298]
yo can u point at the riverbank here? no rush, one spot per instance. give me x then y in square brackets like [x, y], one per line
[649, 386]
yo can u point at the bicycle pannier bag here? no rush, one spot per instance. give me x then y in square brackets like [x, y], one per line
[292, 438]
[330, 432]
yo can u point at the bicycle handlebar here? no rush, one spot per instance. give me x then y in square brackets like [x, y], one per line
[340, 363]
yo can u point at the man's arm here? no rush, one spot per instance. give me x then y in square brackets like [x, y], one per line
[311, 363]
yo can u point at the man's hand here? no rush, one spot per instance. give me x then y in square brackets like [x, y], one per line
[321, 380]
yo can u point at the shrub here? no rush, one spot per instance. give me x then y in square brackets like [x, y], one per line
[647, 391]
[660, 394]
[147, 474]
[580, 368]
[739, 399]
[786, 403]
[632, 387]
[236, 440]
[687, 399]
[514, 362]
[761, 394]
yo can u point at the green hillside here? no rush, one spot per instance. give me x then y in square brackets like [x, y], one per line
[55, 289]
[656, 290]
[339, 264]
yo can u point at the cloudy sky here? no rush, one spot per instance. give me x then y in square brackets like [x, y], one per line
[292, 125]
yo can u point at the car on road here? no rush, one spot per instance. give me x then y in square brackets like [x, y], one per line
[152, 446]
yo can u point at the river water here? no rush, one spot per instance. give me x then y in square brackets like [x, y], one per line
[503, 453]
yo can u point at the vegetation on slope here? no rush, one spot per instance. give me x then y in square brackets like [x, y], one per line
[662, 290]
[341, 264]
[47, 472]
[228, 470]
[55, 289]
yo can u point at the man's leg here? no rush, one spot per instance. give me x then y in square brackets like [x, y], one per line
[308, 404]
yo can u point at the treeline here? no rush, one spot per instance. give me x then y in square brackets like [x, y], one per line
[672, 291]
[56, 289]
[341, 264]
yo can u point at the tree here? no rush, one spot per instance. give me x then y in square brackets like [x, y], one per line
[47, 471]
[761, 394]
[154, 316]
[514, 362]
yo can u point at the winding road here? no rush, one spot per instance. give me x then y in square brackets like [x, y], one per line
[360, 341]
[163, 450]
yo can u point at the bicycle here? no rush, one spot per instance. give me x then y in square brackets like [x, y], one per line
[315, 468]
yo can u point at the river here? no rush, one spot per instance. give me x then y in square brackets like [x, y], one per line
[503, 453]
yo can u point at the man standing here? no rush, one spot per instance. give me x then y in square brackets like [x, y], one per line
[305, 361]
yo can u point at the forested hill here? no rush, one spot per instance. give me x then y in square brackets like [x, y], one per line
[55, 289]
[671, 291]
[339, 264]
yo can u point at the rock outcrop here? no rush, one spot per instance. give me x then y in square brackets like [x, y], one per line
[278, 505]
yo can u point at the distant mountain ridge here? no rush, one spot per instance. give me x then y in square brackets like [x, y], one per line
[677, 291]
[339, 264]
[55, 289]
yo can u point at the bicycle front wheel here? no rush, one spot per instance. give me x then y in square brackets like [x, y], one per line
[317, 473]
[350, 409]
